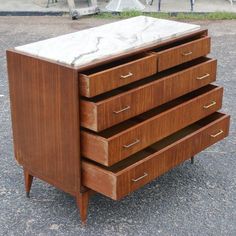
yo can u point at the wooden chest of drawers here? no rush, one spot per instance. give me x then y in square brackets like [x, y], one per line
[113, 125]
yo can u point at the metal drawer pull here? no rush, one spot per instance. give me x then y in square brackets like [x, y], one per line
[126, 76]
[210, 105]
[187, 53]
[141, 177]
[203, 77]
[124, 109]
[217, 134]
[131, 144]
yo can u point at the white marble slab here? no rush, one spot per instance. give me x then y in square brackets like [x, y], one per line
[101, 42]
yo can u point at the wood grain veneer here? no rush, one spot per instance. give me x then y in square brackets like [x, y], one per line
[92, 84]
[45, 118]
[183, 53]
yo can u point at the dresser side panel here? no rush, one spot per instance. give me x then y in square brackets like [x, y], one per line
[45, 118]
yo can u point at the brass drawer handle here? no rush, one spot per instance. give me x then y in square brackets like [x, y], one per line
[210, 105]
[187, 53]
[126, 76]
[203, 77]
[131, 144]
[141, 177]
[124, 109]
[217, 134]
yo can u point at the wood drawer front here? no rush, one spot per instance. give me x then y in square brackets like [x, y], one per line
[183, 53]
[101, 115]
[129, 175]
[109, 79]
[109, 147]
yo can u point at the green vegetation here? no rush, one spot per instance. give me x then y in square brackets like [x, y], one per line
[177, 16]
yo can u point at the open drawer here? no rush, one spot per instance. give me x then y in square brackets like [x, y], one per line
[109, 109]
[139, 169]
[182, 53]
[116, 74]
[117, 143]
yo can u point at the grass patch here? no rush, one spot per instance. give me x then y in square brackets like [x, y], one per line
[173, 15]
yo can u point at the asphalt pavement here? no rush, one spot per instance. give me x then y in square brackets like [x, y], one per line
[197, 199]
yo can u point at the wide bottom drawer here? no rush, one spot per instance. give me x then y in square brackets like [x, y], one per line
[130, 174]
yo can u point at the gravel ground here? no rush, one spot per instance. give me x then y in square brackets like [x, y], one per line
[197, 199]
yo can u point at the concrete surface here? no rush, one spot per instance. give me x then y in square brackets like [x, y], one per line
[197, 199]
[166, 6]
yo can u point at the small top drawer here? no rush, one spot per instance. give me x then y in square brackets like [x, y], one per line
[182, 53]
[105, 78]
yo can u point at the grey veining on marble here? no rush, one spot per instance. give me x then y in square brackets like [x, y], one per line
[86, 46]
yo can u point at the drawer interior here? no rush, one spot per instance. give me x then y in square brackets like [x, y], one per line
[162, 144]
[176, 102]
[150, 79]
[114, 64]
[136, 120]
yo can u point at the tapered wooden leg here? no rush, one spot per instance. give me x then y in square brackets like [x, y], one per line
[28, 182]
[192, 160]
[82, 201]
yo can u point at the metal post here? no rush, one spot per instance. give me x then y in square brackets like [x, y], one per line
[191, 3]
[74, 14]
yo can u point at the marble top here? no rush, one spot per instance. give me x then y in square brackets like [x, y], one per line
[86, 46]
